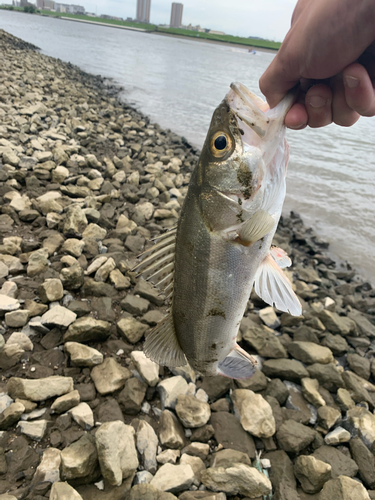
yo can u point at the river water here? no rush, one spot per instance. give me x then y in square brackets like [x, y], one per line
[179, 82]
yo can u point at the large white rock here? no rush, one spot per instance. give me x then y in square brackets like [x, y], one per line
[63, 491]
[83, 416]
[147, 445]
[169, 390]
[83, 355]
[8, 304]
[58, 316]
[34, 430]
[116, 451]
[48, 470]
[39, 389]
[343, 488]
[147, 368]
[109, 376]
[238, 479]
[255, 413]
[173, 478]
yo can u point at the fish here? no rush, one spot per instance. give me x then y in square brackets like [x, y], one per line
[222, 245]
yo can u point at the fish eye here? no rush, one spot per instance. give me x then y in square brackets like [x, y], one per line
[220, 144]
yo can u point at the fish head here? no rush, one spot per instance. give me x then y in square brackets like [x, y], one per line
[236, 160]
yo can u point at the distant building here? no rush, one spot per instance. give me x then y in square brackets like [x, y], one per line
[176, 15]
[68, 8]
[40, 4]
[143, 11]
[214, 32]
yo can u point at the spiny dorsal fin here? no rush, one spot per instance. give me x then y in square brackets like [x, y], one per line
[275, 289]
[162, 345]
[157, 262]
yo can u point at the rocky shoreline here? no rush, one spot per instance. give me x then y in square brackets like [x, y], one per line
[85, 182]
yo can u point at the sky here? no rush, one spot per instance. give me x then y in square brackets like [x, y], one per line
[262, 18]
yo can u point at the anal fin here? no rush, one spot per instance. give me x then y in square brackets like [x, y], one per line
[238, 364]
[162, 345]
[256, 228]
[275, 289]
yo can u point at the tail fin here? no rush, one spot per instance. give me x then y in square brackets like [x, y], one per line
[238, 364]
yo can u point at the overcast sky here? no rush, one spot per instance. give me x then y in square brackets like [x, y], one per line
[264, 18]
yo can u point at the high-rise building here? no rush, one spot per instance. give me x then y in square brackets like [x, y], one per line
[143, 11]
[176, 15]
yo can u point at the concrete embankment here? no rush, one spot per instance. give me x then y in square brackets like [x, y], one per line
[85, 182]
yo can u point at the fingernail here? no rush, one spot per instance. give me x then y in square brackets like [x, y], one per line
[351, 82]
[298, 127]
[316, 101]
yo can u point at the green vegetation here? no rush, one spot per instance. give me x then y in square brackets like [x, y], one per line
[249, 42]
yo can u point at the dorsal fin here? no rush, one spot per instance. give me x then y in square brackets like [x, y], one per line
[157, 262]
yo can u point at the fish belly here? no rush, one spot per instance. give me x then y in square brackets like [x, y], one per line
[213, 278]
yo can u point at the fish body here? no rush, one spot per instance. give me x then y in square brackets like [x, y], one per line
[222, 245]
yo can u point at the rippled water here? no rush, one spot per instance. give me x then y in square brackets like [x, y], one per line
[178, 83]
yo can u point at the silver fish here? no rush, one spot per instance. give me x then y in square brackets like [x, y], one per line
[221, 247]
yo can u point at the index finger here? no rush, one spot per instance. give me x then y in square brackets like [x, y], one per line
[276, 82]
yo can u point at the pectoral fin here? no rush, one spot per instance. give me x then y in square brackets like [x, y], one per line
[256, 228]
[274, 287]
[162, 345]
[238, 364]
[281, 257]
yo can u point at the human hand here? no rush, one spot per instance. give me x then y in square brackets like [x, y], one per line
[329, 54]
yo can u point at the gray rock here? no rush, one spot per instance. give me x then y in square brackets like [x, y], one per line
[75, 221]
[238, 479]
[87, 329]
[66, 402]
[169, 390]
[288, 369]
[343, 488]
[255, 413]
[58, 316]
[362, 422]
[11, 415]
[132, 396]
[82, 414]
[293, 437]
[337, 436]
[39, 389]
[264, 341]
[147, 368]
[230, 433]
[328, 375]
[116, 451]
[80, 459]
[34, 430]
[109, 376]
[38, 262]
[365, 461]
[173, 478]
[340, 463]
[359, 365]
[8, 304]
[48, 470]
[147, 291]
[82, 355]
[312, 473]
[337, 324]
[227, 458]
[282, 475]
[328, 417]
[310, 353]
[149, 492]
[310, 391]
[16, 319]
[191, 411]
[171, 433]
[63, 491]
[131, 329]
[147, 445]
[135, 305]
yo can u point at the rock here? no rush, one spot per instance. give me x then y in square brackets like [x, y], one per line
[336, 343]
[119, 281]
[75, 221]
[216, 387]
[135, 305]
[343, 488]
[11, 415]
[39, 389]
[131, 329]
[192, 412]
[238, 479]
[148, 491]
[38, 262]
[116, 451]
[359, 365]
[147, 445]
[310, 391]
[73, 246]
[264, 341]
[278, 390]
[48, 470]
[132, 396]
[51, 290]
[356, 387]
[63, 491]
[269, 318]
[82, 355]
[230, 433]
[227, 458]
[328, 417]
[83, 416]
[147, 368]
[108, 411]
[169, 390]
[21, 340]
[312, 473]
[255, 413]
[58, 316]
[293, 437]
[340, 463]
[80, 459]
[171, 433]
[365, 327]
[66, 402]
[147, 291]
[337, 436]
[173, 478]
[8, 304]
[72, 277]
[310, 353]
[328, 375]
[282, 475]
[168, 457]
[87, 329]
[344, 400]
[337, 324]
[16, 319]
[34, 430]
[94, 232]
[365, 461]
[109, 376]
[200, 450]
[288, 369]
[363, 422]
[104, 271]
